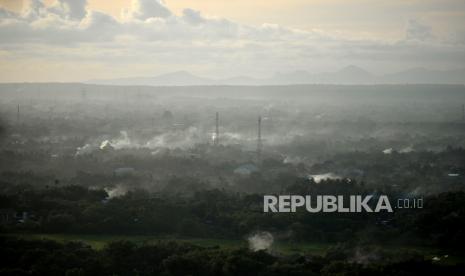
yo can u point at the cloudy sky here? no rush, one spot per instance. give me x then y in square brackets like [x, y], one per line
[78, 40]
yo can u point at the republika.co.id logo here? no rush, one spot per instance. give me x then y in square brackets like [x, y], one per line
[337, 203]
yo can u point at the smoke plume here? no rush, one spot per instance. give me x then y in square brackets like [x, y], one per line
[260, 241]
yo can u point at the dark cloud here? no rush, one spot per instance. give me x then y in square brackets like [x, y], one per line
[192, 16]
[145, 9]
[418, 31]
[73, 9]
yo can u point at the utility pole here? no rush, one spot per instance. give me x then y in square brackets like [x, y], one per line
[217, 129]
[463, 112]
[259, 138]
[17, 115]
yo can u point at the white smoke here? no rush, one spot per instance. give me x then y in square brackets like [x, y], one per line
[293, 160]
[159, 152]
[284, 138]
[86, 149]
[388, 151]
[117, 191]
[181, 139]
[403, 150]
[177, 139]
[122, 141]
[364, 257]
[320, 177]
[105, 145]
[406, 149]
[260, 241]
[233, 137]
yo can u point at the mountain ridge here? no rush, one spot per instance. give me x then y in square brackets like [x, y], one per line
[347, 75]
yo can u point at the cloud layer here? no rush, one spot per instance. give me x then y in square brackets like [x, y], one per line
[74, 43]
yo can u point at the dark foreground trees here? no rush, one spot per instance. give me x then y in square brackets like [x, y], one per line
[227, 215]
[43, 257]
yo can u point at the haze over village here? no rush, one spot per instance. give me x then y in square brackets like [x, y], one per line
[215, 137]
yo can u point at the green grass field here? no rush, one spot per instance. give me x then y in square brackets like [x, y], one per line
[99, 241]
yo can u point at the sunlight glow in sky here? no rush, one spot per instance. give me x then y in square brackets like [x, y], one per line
[78, 40]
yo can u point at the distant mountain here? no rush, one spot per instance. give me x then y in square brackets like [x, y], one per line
[351, 75]
[422, 75]
[296, 77]
[347, 75]
[180, 78]
[241, 80]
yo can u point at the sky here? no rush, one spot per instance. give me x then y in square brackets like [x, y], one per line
[79, 40]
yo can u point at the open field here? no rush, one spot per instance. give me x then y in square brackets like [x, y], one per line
[280, 247]
[99, 241]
